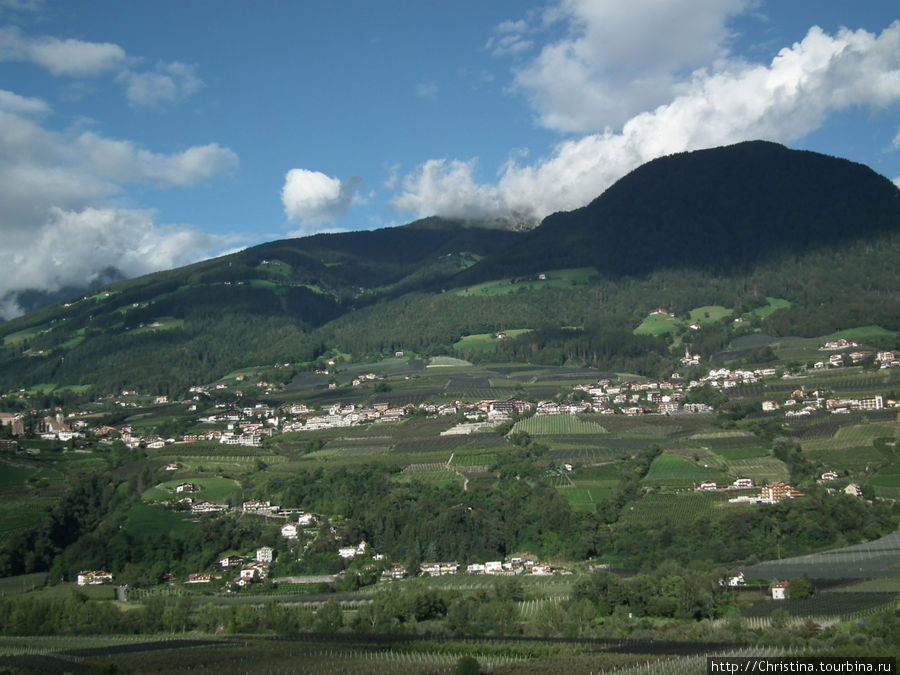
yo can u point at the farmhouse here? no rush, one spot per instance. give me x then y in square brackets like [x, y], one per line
[198, 578]
[230, 562]
[307, 519]
[840, 343]
[261, 507]
[201, 506]
[353, 551]
[779, 590]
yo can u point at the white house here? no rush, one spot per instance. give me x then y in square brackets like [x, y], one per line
[779, 590]
[94, 577]
[307, 519]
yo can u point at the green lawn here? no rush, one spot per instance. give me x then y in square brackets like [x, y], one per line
[211, 490]
[145, 520]
[554, 278]
[710, 313]
[485, 342]
[584, 498]
[658, 324]
[774, 304]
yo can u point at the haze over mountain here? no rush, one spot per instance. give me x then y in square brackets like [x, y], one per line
[726, 226]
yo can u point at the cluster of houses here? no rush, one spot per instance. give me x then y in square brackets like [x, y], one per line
[772, 493]
[514, 566]
[799, 404]
[884, 359]
[251, 425]
[778, 589]
[248, 571]
[768, 494]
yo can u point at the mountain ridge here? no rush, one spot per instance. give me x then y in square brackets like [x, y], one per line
[673, 211]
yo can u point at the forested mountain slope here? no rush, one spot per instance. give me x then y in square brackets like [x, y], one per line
[727, 226]
[723, 209]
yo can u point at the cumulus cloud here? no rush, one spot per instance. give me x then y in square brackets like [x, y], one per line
[313, 199]
[72, 248]
[730, 101]
[618, 59]
[57, 226]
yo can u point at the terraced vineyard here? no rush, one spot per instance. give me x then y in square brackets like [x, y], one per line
[657, 509]
[674, 471]
[558, 425]
[761, 469]
[846, 605]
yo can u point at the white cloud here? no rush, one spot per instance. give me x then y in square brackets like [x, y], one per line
[730, 102]
[57, 226]
[170, 82]
[448, 188]
[618, 58]
[21, 105]
[73, 58]
[510, 38]
[72, 248]
[165, 84]
[124, 162]
[314, 199]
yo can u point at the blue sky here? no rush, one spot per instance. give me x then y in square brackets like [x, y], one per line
[146, 135]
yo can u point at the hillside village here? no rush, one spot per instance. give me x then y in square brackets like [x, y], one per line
[234, 424]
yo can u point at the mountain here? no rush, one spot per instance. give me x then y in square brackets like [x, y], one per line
[727, 226]
[721, 209]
